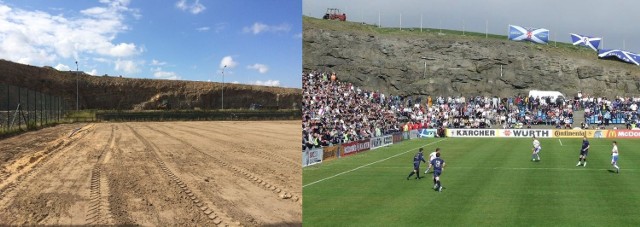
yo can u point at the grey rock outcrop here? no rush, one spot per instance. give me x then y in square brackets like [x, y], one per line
[458, 65]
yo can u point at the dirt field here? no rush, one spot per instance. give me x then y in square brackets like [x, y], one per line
[158, 174]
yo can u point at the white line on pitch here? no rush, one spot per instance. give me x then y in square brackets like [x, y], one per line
[504, 168]
[382, 160]
[560, 142]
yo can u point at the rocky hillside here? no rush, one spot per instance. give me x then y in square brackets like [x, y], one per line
[114, 93]
[391, 61]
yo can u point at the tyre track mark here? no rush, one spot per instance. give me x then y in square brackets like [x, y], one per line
[271, 156]
[249, 176]
[53, 152]
[98, 212]
[214, 214]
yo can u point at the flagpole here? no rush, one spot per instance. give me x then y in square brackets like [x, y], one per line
[462, 27]
[420, 22]
[508, 31]
[486, 29]
[400, 21]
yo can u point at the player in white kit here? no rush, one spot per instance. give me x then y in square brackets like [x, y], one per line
[431, 157]
[535, 155]
[614, 156]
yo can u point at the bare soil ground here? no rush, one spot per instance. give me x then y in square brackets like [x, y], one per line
[153, 173]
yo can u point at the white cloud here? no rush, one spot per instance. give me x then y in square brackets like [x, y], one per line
[298, 36]
[61, 67]
[235, 82]
[102, 60]
[160, 74]
[220, 27]
[203, 29]
[272, 83]
[258, 28]
[155, 62]
[261, 68]
[123, 50]
[127, 66]
[228, 61]
[93, 72]
[194, 8]
[39, 38]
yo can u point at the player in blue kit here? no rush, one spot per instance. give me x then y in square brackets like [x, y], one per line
[438, 167]
[416, 164]
[584, 151]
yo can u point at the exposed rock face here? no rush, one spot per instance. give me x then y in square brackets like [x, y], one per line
[458, 65]
[114, 93]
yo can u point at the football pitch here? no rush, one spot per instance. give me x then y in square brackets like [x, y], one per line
[488, 182]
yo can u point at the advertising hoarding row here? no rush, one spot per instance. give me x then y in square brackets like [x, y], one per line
[541, 133]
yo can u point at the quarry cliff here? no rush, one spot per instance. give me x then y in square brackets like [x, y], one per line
[393, 62]
[121, 93]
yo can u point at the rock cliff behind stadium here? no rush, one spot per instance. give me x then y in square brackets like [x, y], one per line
[391, 61]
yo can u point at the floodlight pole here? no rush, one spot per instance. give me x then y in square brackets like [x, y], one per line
[223, 86]
[77, 90]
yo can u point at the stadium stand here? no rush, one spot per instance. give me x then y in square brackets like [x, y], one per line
[337, 112]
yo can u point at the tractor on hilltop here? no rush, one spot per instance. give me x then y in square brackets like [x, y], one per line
[334, 14]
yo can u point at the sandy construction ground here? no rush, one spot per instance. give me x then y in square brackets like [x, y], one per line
[154, 173]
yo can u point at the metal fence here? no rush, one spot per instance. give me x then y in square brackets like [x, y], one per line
[243, 115]
[22, 109]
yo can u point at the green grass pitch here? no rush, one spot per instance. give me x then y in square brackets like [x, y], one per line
[489, 182]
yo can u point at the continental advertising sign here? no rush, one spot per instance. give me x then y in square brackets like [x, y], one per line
[580, 133]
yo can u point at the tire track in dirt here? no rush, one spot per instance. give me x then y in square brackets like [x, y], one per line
[249, 176]
[98, 212]
[271, 156]
[256, 132]
[214, 214]
[15, 180]
[251, 151]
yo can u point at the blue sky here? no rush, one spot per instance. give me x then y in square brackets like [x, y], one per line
[260, 41]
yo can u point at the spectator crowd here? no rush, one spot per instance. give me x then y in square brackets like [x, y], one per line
[337, 112]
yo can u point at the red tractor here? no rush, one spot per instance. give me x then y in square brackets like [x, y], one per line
[334, 14]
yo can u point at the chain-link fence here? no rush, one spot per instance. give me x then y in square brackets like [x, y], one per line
[22, 109]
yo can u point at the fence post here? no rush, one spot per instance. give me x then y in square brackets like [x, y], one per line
[27, 110]
[41, 107]
[49, 109]
[8, 107]
[58, 108]
[18, 111]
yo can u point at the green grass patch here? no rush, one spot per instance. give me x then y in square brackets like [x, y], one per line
[81, 114]
[436, 32]
[489, 182]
